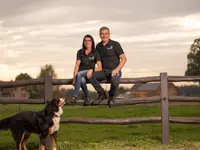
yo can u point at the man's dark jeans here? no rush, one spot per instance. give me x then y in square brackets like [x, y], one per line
[105, 74]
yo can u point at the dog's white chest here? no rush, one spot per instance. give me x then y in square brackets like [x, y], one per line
[55, 127]
[56, 121]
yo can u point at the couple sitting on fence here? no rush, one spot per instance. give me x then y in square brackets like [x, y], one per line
[109, 58]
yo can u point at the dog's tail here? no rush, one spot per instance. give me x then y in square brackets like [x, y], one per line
[5, 124]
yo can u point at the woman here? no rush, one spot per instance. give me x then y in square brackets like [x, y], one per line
[86, 60]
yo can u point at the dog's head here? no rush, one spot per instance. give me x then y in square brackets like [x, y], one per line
[55, 106]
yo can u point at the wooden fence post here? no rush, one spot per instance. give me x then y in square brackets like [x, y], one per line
[48, 95]
[164, 108]
[48, 91]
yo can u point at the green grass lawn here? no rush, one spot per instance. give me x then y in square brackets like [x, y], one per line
[137, 136]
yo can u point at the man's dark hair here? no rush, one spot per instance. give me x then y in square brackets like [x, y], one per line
[104, 28]
[92, 39]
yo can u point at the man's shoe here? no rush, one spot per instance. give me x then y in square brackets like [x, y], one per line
[102, 96]
[111, 102]
[86, 101]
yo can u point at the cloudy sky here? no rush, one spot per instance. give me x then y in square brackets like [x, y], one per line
[155, 34]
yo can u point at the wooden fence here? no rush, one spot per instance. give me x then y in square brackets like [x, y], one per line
[164, 99]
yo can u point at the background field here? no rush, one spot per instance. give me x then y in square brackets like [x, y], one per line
[139, 136]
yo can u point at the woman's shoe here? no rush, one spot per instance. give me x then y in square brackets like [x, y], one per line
[86, 101]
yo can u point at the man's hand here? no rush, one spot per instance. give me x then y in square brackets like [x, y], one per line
[115, 72]
[73, 82]
[89, 73]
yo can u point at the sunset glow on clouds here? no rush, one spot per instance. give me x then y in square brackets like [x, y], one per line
[152, 33]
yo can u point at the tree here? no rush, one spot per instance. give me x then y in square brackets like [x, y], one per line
[47, 70]
[23, 76]
[188, 90]
[32, 89]
[193, 66]
[123, 90]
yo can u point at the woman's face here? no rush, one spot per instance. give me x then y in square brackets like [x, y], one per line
[88, 42]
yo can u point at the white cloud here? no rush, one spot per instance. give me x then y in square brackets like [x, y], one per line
[8, 72]
[1, 24]
[190, 22]
[3, 66]
[42, 14]
[18, 43]
[3, 46]
[17, 37]
[11, 54]
[92, 22]
[158, 37]
[64, 29]
[6, 32]
[164, 44]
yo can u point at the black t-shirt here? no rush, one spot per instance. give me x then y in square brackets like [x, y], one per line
[110, 54]
[87, 61]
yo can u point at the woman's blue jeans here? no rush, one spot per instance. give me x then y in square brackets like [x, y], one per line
[80, 81]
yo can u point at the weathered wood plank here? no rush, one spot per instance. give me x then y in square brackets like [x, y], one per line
[183, 99]
[21, 101]
[183, 78]
[122, 81]
[124, 121]
[185, 120]
[11, 84]
[112, 121]
[164, 108]
[48, 93]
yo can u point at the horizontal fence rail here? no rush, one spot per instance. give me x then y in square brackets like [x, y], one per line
[183, 99]
[122, 80]
[12, 84]
[112, 121]
[40, 81]
[22, 101]
[131, 101]
[183, 78]
[125, 121]
[69, 81]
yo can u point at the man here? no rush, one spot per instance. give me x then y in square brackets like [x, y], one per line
[113, 59]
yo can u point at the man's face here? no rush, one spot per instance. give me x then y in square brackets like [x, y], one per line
[104, 35]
